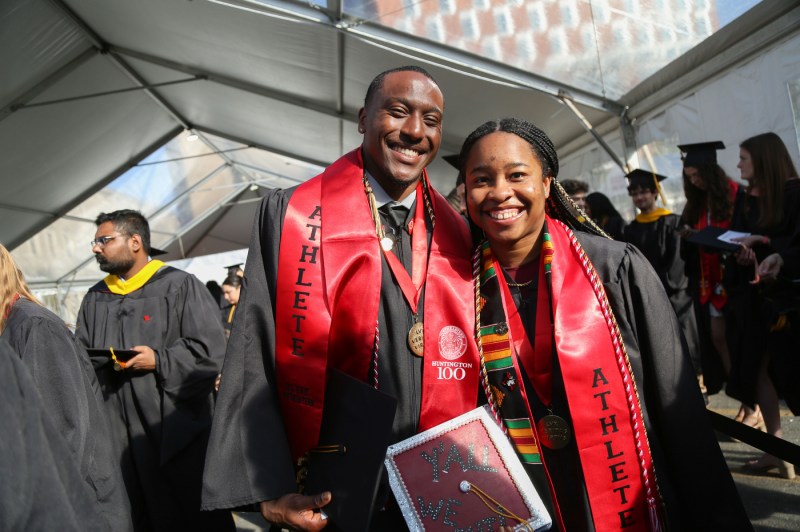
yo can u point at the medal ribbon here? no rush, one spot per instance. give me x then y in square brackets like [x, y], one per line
[340, 291]
[538, 361]
[412, 286]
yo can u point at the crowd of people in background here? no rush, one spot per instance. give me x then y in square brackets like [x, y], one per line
[516, 265]
[738, 308]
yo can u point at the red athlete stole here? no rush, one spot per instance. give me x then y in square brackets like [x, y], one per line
[326, 312]
[602, 396]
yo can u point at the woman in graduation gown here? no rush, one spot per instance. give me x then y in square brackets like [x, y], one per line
[762, 313]
[709, 203]
[581, 354]
[66, 381]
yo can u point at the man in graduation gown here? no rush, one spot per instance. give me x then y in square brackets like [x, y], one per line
[345, 271]
[160, 400]
[656, 232]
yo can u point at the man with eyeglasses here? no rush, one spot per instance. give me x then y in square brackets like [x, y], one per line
[158, 394]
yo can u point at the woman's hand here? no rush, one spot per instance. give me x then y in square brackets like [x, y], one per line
[686, 231]
[771, 266]
[745, 256]
[297, 512]
[751, 240]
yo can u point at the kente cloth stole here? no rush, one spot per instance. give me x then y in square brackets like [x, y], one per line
[574, 318]
[327, 302]
[118, 286]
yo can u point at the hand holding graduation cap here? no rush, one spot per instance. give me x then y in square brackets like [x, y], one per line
[144, 361]
[297, 512]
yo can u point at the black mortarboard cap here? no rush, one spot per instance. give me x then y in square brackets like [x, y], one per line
[701, 152]
[233, 268]
[155, 252]
[708, 237]
[356, 430]
[452, 159]
[644, 179]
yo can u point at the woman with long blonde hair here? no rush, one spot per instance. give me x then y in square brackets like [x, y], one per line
[66, 381]
[12, 286]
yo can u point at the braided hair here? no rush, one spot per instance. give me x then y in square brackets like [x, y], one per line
[559, 205]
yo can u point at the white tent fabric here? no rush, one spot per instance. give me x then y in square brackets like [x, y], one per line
[101, 94]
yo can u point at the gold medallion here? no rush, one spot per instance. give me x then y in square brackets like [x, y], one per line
[387, 243]
[416, 339]
[553, 431]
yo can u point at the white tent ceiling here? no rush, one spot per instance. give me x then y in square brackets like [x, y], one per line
[97, 89]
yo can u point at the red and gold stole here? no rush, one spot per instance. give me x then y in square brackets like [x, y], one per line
[603, 400]
[711, 263]
[328, 292]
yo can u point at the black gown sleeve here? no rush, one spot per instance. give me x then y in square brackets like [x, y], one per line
[43, 491]
[248, 458]
[694, 481]
[49, 354]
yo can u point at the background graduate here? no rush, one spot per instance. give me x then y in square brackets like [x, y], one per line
[710, 194]
[764, 309]
[581, 354]
[160, 400]
[64, 377]
[41, 487]
[656, 231]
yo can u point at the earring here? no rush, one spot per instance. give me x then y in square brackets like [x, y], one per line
[361, 130]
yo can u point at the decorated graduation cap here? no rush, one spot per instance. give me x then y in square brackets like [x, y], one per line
[233, 269]
[701, 152]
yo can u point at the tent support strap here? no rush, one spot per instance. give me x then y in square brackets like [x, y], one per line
[592, 131]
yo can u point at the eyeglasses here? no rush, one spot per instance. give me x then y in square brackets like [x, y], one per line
[102, 241]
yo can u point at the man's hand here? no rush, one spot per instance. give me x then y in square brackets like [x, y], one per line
[297, 512]
[771, 266]
[144, 361]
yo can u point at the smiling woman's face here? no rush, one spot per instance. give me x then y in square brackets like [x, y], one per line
[506, 190]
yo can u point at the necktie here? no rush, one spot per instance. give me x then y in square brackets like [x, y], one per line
[395, 216]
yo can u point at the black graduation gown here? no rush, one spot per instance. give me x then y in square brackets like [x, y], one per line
[693, 478]
[660, 243]
[40, 489]
[249, 458]
[710, 361]
[753, 309]
[67, 384]
[160, 419]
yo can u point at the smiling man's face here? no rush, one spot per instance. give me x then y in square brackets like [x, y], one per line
[402, 126]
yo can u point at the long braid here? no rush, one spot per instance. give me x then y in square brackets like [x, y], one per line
[476, 276]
